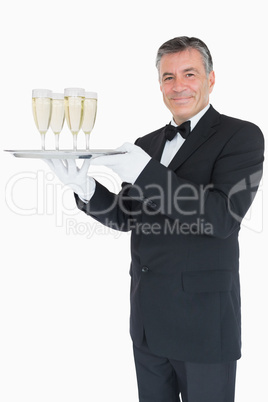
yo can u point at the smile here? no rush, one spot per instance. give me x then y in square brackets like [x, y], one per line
[181, 100]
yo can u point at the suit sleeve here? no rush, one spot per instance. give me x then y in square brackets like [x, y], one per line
[224, 201]
[117, 211]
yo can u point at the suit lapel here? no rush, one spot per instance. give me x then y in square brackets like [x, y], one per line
[157, 146]
[204, 129]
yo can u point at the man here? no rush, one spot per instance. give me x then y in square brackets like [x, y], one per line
[186, 188]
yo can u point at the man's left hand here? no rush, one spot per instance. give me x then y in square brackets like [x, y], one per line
[128, 164]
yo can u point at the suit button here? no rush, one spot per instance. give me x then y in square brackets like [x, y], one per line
[145, 269]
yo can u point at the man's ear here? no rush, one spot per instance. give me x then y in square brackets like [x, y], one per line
[160, 85]
[211, 79]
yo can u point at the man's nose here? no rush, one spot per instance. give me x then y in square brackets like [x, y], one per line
[179, 84]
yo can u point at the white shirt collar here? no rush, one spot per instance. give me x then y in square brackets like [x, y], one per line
[195, 119]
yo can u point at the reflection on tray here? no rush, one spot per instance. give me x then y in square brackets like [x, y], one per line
[63, 154]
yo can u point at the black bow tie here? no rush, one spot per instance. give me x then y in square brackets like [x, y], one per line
[184, 130]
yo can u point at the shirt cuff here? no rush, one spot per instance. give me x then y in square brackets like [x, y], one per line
[90, 192]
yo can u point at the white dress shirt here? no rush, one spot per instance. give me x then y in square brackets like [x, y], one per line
[172, 147]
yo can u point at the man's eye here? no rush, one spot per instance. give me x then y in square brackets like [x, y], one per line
[168, 78]
[189, 75]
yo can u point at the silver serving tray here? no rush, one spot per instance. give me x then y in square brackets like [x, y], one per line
[63, 154]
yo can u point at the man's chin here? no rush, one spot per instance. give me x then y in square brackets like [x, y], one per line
[182, 115]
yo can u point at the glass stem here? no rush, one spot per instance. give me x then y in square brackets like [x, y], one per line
[87, 142]
[43, 141]
[57, 137]
[75, 142]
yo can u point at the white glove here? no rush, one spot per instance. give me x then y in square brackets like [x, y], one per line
[127, 165]
[70, 175]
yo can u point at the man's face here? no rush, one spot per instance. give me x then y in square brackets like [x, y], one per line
[184, 83]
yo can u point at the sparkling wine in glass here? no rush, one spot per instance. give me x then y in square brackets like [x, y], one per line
[74, 106]
[90, 111]
[41, 103]
[57, 116]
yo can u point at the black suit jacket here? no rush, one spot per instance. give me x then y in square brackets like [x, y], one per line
[185, 220]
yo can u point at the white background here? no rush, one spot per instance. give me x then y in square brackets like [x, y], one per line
[64, 297]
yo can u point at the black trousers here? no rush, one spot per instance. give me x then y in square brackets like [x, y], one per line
[165, 380]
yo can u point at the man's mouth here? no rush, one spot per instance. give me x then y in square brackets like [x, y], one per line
[181, 99]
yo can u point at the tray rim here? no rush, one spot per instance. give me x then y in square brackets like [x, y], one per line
[62, 153]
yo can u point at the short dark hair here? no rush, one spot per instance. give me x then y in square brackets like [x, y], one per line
[182, 43]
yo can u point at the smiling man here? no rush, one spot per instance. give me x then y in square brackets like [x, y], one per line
[185, 83]
[199, 172]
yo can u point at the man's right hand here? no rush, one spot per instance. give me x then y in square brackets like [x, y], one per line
[70, 175]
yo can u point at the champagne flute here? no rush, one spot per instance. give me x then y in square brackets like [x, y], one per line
[74, 105]
[41, 103]
[57, 116]
[90, 111]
